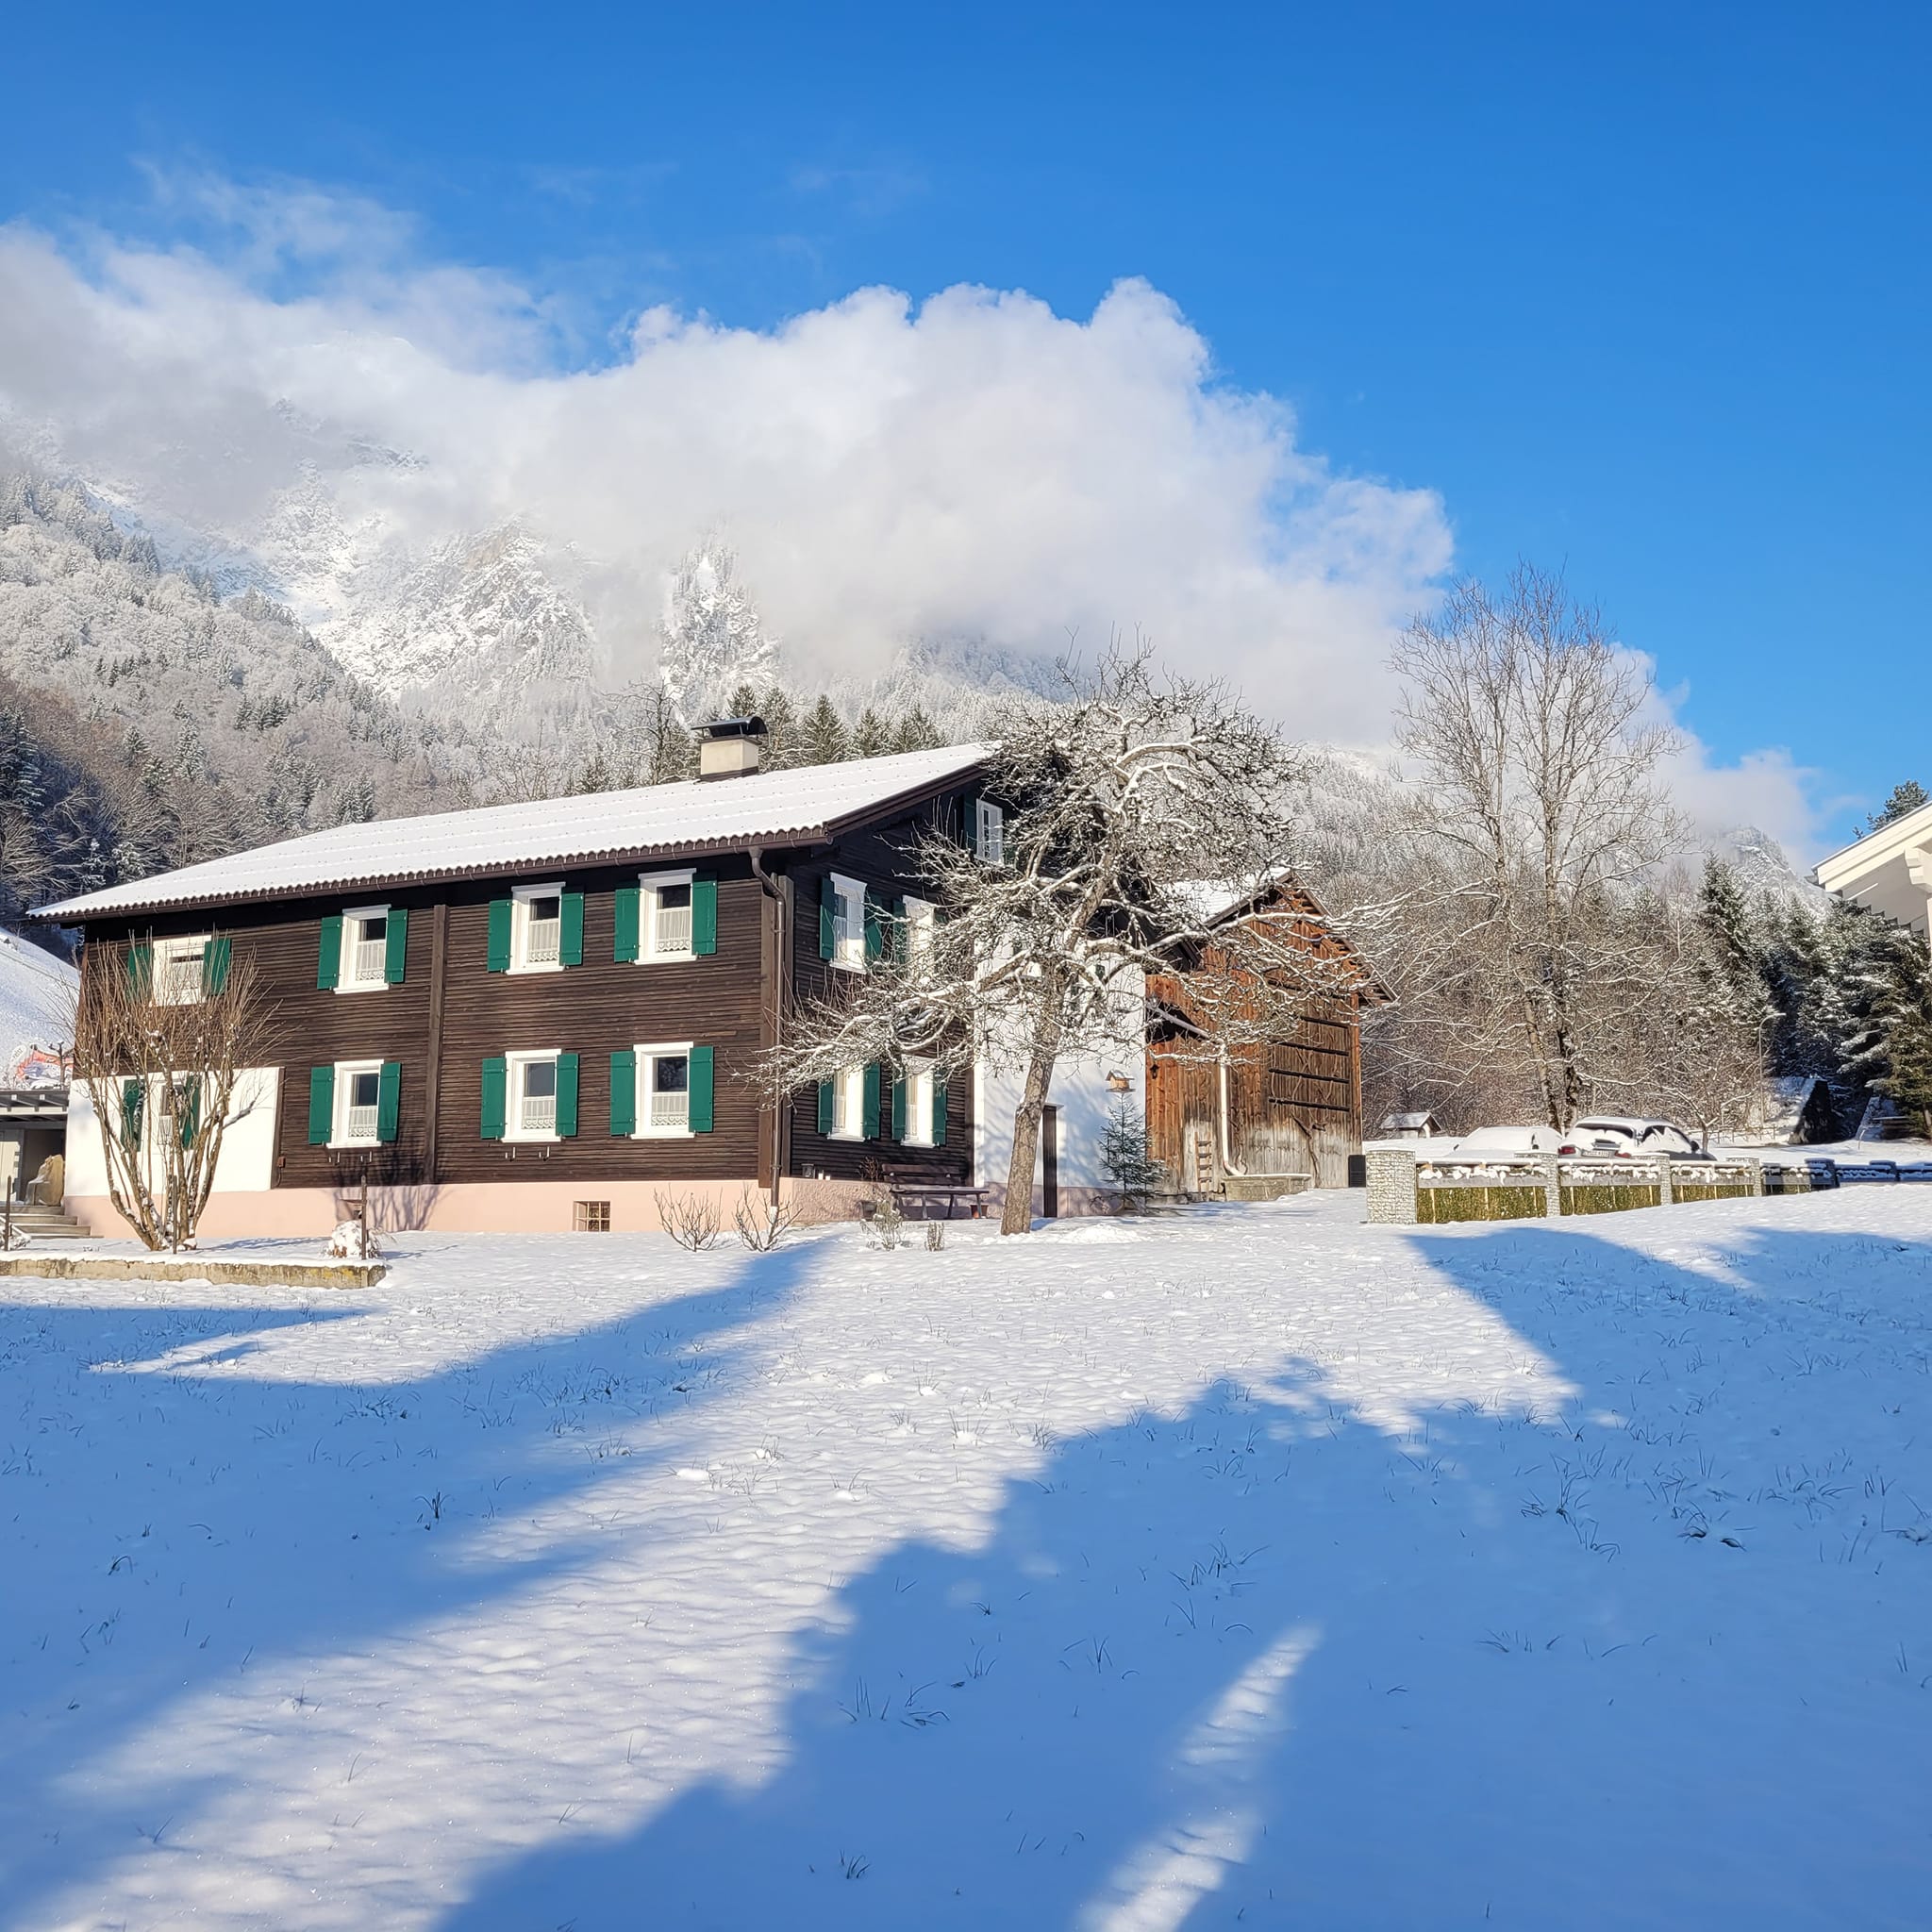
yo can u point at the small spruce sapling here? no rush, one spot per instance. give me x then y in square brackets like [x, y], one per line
[1124, 1158]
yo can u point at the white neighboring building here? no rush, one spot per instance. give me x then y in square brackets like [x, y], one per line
[1889, 870]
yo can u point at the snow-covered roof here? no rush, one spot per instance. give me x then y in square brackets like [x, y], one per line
[1889, 870]
[696, 815]
[1212, 900]
[36, 995]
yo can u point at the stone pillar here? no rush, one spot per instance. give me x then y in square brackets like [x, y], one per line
[1391, 1185]
[1758, 1174]
[1663, 1180]
[1553, 1188]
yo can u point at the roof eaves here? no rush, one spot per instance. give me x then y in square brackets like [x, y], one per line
[313, 889]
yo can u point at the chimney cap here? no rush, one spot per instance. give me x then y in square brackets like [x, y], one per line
[733, 727]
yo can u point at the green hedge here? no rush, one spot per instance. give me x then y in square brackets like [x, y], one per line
[1435, 1205]
[1609, 1197]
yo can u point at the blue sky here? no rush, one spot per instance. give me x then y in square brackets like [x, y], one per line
[1640, 291]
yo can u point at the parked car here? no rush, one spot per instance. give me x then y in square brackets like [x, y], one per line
[1625, 1137]
[1497, 1148]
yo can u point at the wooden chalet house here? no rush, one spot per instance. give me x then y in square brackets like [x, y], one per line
[537, 1017]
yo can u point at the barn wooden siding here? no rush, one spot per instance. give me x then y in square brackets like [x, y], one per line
[450, 1013]
[1293, 1106]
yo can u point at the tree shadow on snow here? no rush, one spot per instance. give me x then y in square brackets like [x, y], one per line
[1271, 1662]
[115, 1531]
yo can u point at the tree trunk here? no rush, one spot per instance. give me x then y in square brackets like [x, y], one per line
[1017, 1216]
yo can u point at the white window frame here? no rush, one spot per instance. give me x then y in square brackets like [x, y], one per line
[515, 1065]
[346, 980]
[648, 1054]
[849, 892]
[921, 916]
[919, 1088]
[170, 953]
[520, 924]
[848, 1083]
[990, 832]
[339, 1135]
[649, 885]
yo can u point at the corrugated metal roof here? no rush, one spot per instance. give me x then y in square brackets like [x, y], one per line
[698, 815]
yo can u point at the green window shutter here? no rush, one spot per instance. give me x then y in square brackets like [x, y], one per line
[140, 971]
[704, 916]
[874, 927]
[939, 1111]
[969, 832]
[828, 918]
[389, 1100]
[499, 940]
[898, 1109]
[328, 958]
[322, 1104]
[495, 1096]
[701, 1086]
[188, 1109]
[133, 1105]
[869, 1119]
[623, 1093]
[214, 965]
[570, 939]
[566, 1095]
[629, 901]
[828, 1114]
[395, 945]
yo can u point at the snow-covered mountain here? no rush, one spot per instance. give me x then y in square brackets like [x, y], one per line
[1763, 868]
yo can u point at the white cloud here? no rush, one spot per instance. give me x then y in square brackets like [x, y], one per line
[970, 465]
[973, 464]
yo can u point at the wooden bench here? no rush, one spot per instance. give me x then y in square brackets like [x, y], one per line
[917, 1195]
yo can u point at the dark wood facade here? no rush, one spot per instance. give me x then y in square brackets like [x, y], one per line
[1289, 1110]
[449, 1013]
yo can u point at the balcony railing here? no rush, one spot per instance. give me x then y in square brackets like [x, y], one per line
[670, 1113]
[673, 932]
[537, 1113]
[541, 941]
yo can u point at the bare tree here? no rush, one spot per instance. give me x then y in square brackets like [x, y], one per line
[1534, 794]
[163, 1046]
[1117, 801]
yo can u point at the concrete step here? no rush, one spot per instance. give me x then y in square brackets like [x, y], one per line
[44, 1224]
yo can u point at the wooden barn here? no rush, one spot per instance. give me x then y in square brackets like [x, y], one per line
[1254, 1123]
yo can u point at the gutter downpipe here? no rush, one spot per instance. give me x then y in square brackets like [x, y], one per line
[1227, 1159]
[774, 892]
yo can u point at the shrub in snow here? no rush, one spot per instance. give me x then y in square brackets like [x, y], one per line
[885, 1227]
[690, 1220]
[763, 1222]
[352, 1242]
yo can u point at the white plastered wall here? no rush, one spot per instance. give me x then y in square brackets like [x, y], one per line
[1084, 1100]
[248, 1144]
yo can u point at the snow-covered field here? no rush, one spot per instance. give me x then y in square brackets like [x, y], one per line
[1255, 1568]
